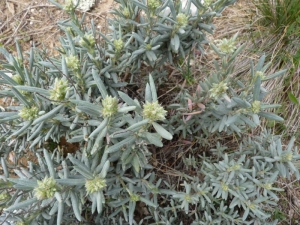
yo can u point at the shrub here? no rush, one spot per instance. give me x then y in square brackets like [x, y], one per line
[109, 178]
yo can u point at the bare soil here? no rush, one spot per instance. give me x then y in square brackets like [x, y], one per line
[34, 22]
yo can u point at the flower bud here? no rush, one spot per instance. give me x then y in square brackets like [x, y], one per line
[46, 188]
[73, 62]
[97, 184]
[255, 106]
[182, 19]
[148, 47]
[260, 74]
[18, 79]
[134, 198]
[20, 223]
[126, 12]
[267, 186]
[207, 2]
[218, 89]
[110, 106]
[118, 44]
[226, 46]
[154, 111]
[224, 186]
[4, 197]
[69, 6]
[59, 90]
[90, 39]
[187, 198]
[153, 4]
[29, 113]
[287, 157]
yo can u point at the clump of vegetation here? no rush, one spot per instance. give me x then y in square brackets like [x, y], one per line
[277, 35]
[85, 97]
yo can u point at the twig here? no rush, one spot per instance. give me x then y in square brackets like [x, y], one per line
[16, 30]
[20, 13]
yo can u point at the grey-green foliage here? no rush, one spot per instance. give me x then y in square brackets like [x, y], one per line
[222, 102]
[109, 180]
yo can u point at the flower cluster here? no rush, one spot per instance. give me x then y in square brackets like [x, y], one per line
[126, 12]
[20, 223]
[73, 62]
[118, 44]
[59, 90]
[224, 186]
[69, 6]
[218, 89]
[226, 46]
[255, 106]
[18, 79]
[267, 186]
[110, 106]
[97, 184]
[148, 47]
[260, 74]
[182, 20]
[46, 188]
[207, 2]
[154, 111]
[134, 198]
[234, 168]
[3, 197]
[153, 4]
[29, 113]
[89, 42]
[287, 157]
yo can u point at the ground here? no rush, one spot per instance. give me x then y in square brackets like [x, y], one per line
[35, 22]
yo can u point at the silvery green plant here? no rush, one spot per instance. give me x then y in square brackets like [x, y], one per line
[223, 103]
[155, 32]
[108, 180]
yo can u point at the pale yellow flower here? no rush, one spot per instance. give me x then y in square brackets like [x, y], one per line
[256, 106]
[59, 90]
[46, 188]
[154, 111]
[118, 44]
[110, 106]
[29, 113]
[97, 184]
[218, 89]
[182, 19]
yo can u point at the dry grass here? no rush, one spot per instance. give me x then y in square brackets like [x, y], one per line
[245, 19]
[34, 23]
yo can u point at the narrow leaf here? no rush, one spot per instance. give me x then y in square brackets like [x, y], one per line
[21, 205]
[48, 115]
[293, 98]
[49, 163]
[105, 169]
[99, 83]
[119, 145]
[256, 89]
[99, 128]
[20, 97]
[75, 206]
[153, 89]
[162, 132]
[271, 116]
